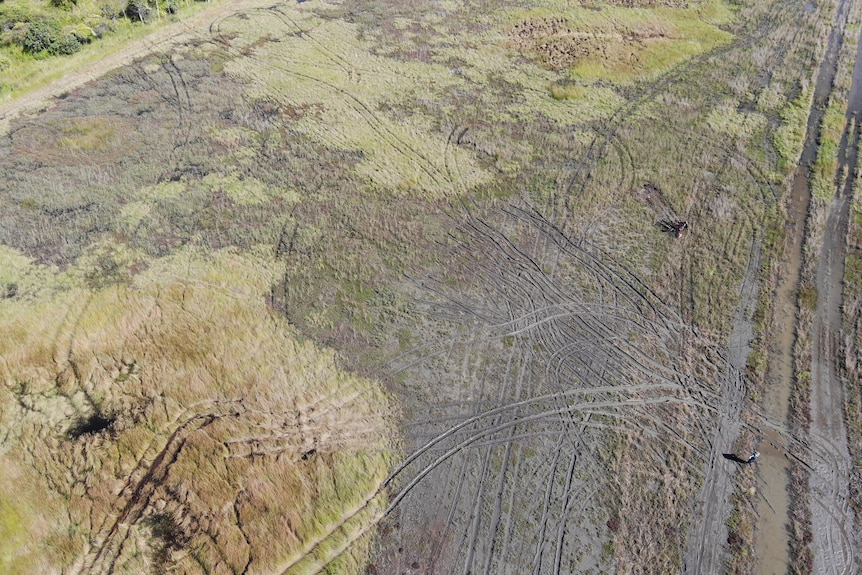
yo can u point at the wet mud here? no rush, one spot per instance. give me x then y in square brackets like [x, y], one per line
[835, 541]
[773, 502]
[772, 548]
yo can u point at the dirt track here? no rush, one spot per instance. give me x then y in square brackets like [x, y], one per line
[526, 456]
[704, 550]
[836, 545]
[825, 450]
[160, 40]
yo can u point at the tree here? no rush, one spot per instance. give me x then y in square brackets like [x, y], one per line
[63, 4]
[47, 37]
[41, 36]
[138, 9]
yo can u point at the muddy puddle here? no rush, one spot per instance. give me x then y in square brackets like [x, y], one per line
[771, 547]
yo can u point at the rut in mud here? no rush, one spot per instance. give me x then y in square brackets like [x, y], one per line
[825, 453]
[835, 538]
[577, 411]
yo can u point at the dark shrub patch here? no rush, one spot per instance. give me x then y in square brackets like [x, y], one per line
[90, 426]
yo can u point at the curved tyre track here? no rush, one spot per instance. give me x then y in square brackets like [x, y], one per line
[577, 387]
[609, 129]
[439, 177]
[580, 381]
[161, 39]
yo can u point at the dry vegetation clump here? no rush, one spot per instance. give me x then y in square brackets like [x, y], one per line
[553, 40]
[654, 487]
[646, 3]
[799, 411]
[617, 43]
[741, 522]
[174, 424]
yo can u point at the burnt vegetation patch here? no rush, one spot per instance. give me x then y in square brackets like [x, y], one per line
[91, 425]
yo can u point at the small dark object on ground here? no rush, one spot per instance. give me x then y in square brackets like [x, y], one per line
[90, 426]
[308, 454]
[734, 457]
[675, 226]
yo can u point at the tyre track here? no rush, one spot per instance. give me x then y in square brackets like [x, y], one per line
[835, 543]
[136, 496]
[608, 131]
[386, 135]
[575, 344]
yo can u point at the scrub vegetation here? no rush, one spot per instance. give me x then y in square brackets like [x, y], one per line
[38, 39]
[378, 287]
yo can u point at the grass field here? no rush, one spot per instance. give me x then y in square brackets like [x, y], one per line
[169, 419]
[324, 288]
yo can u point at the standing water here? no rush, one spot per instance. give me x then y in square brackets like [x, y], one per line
[771, 547]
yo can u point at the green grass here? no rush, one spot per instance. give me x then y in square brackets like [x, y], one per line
[22, 72]
[790, 135]
[629, 44]
[825, 170]
[727, 119]
[341, 86]
[16, 550]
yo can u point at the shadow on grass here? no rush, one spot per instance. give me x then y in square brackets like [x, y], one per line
[736, 458]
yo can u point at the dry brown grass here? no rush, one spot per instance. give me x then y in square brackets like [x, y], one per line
[621, 42]
[226, 442]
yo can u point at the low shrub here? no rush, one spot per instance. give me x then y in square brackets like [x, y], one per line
[46, 37]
